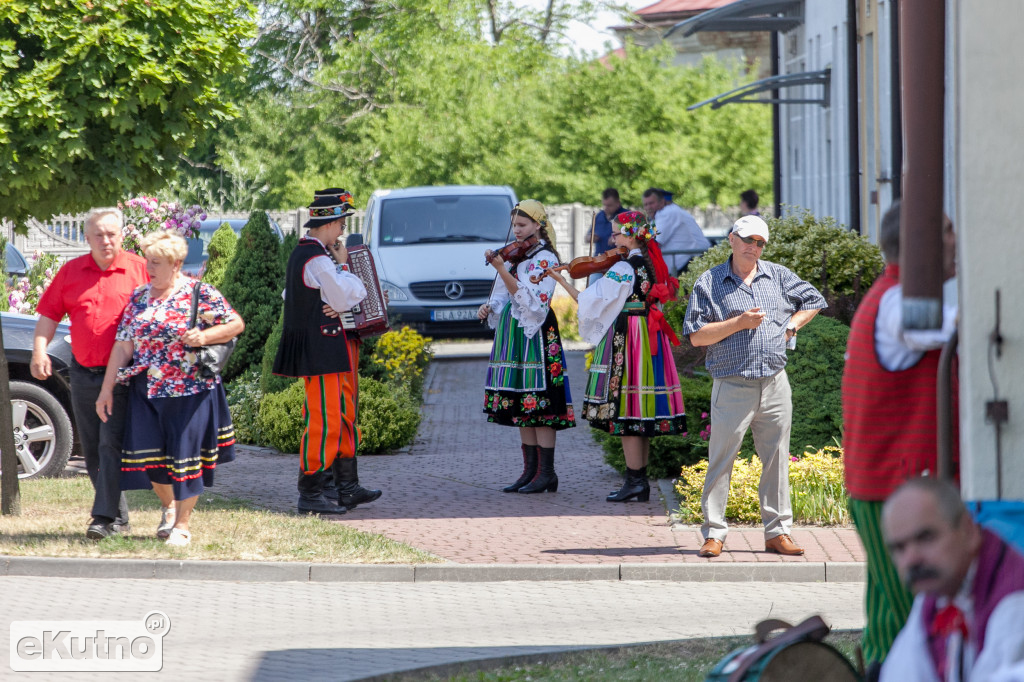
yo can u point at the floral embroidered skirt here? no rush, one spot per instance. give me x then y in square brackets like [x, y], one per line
[526, 380]
[629, 391]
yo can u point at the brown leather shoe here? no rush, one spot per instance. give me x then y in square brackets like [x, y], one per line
[782, 544]
[710, 548]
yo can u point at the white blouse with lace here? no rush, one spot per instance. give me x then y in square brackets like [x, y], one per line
[531, 301]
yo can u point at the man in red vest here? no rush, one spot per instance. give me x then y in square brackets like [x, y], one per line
[889, 409]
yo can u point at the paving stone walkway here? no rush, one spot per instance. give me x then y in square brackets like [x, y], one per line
[443, 493]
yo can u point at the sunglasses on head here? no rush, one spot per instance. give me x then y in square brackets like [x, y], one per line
[759, 243]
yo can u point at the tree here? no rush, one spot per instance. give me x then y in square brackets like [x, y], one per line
[98, 99]
[222, 250]
[252, 284]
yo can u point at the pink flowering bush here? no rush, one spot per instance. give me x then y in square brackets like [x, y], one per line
[22, 295]
[144, 214]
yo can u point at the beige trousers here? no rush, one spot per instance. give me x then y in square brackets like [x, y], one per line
[765, 406]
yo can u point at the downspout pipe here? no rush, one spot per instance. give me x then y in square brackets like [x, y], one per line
[854, 119]
[922, 84]
[776, 57]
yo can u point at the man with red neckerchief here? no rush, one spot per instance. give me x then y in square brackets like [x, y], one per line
[967, 622]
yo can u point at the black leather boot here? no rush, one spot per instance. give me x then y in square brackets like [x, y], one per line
[350, 493]
[529, 469]
[330, 485]
[635, 486]
[546, 478]
[311, 495]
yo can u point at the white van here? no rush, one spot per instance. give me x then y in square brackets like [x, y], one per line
[428, 244]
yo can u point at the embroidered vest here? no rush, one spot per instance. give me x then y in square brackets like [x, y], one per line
[889, 418]
[312, 344]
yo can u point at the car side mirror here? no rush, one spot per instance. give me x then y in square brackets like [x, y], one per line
[354, 239]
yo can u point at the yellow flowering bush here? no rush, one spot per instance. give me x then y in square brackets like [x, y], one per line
[568, 321]
[815, 482]
[403, 355]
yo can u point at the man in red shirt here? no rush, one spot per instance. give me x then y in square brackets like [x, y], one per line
[92, 290]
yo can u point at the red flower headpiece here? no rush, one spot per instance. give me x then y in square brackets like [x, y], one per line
[634, 224]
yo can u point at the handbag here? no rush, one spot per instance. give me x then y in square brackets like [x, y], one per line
[210, 359]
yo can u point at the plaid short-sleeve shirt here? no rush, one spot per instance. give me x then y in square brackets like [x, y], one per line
[719, 295]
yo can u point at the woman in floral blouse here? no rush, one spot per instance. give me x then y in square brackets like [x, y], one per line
[178, 427]
[527, 386]
[633, 387]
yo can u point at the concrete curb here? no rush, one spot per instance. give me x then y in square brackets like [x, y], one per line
[282, 571]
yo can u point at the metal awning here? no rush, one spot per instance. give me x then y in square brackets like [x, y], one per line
[742, 94]
[745, 15]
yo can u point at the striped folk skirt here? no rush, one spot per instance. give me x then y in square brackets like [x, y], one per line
[175, 441]
[631, 392]
[526, 380]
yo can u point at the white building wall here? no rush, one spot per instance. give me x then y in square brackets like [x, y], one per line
[816, 160]
[988, 133]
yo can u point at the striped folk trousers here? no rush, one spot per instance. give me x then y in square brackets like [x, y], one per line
[330, 416]
[886, 599]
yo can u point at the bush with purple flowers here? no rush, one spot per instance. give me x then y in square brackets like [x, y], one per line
[144, 214]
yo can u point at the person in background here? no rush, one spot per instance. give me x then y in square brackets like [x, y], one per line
[676, 228]
[747, 311]
[602, 240]
[890, 430]
[178, 426]
[967, 622]
[633, 389]
[527, 386]
[748, 203]
[93, 290]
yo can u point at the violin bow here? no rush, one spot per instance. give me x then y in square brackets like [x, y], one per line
[496, 274]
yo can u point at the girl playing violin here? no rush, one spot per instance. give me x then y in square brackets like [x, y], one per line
[527, 386]
[633, 388]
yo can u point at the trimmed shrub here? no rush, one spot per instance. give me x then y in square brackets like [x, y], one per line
[252, 284]
[815, 372]
[280, 417]
[269, 382]
[387, 419]
[291, 240]
[222, 250]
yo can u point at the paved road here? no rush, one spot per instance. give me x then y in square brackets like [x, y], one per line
[274, 631]
[442, 494]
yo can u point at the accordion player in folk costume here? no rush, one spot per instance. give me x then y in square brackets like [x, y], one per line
[314, 347]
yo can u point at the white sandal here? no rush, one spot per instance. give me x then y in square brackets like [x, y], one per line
[179, 538]
[163, 531]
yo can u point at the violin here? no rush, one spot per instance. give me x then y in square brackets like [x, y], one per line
[585, 266]
[515, 252]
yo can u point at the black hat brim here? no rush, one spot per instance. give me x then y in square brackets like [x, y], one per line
[320, 222]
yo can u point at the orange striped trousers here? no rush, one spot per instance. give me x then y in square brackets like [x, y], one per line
[330, 413]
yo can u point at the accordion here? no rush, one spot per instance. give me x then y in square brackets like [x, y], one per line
[370, 317]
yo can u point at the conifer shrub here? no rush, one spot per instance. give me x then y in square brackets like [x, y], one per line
[252, 284]
[221, 250]
[270, 382]
[815, 371]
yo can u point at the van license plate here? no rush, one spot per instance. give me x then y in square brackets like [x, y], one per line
[453, 314]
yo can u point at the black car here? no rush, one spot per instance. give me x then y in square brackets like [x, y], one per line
[43, 427]
[198, 246]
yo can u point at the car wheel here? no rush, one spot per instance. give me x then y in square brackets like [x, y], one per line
[42, 431]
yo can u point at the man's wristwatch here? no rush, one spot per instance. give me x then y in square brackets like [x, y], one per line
[791, 328]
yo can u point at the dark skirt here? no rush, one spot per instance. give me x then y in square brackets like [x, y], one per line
[526, 381]
[175, 441]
